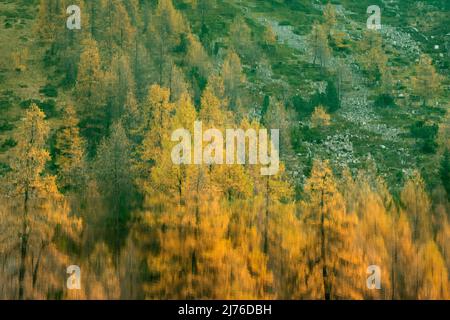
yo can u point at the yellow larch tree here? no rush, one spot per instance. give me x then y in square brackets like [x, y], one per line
[403, 260]
[329, 15]
[231, 181]
[50, 23]
[372, 57]
[320, 118]
[273, 190]
[443, 241]
[132, 118]
[222, 269]
[270, 38]
[157, 111]
[117, 30]
[374, 232]
[99, 277]
[233, 79]
[240, 37]
[211, 110]
[197, 57]
[36, 208]
[70, 154]
[434, 275]
[278, 117]
[245, 236]
[164, 34]
[216, 85]
[177, 83]
[417, 206]
[333, 255]
[196, 259]
[320, 48]
[171, 183]
[120, 84]
[426, 82]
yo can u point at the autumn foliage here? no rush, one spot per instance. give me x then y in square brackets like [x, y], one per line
[97, 187]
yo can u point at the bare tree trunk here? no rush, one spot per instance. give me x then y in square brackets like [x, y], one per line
[23, 247]
[266, 226]
[161, 62]
[326, 284]
[36, 267]
[394, 262]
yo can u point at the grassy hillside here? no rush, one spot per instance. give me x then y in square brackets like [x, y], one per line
[381, 132]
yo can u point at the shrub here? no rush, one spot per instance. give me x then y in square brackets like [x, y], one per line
[425, 135]
[420, 130]
[49, 91]
[8, 144]
[4, 169]
[5, 104]
[48, 106]
[384, 100]
[5, 125]
[329, 99]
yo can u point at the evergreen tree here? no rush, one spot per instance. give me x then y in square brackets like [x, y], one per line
[90, 93]
[113, 170]
[121, 83]
[69, 147]
[164, 35]
[117, 30]
[132, 118]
